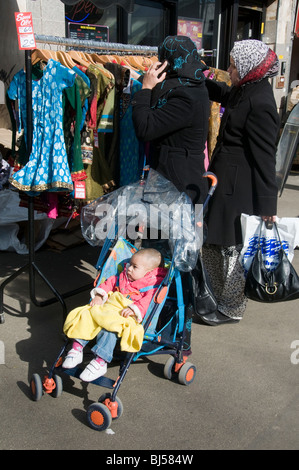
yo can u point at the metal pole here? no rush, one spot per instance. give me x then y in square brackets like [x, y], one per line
[29, 120]
[100, 45]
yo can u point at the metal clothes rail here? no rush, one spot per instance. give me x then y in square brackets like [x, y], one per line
[31, 266]
[96, 45]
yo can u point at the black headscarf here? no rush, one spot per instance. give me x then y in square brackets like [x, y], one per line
[186, 66]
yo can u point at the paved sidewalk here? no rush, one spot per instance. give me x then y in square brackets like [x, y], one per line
[245, 395]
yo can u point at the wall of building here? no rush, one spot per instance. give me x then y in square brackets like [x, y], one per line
[280, 17]
[286, 11]
[48, 18]
[11, 59]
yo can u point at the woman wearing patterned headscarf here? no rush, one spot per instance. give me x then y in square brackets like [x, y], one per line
[171, 111]
[244, 162]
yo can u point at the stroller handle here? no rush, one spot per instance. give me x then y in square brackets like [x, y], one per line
[214, 181]
[212, 176]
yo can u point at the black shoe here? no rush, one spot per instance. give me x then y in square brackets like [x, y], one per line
[217, 318]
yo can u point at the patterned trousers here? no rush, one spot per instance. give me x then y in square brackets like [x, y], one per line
[227, 278]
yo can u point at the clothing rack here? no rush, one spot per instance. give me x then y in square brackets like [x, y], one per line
[96, 45]
[31, 266]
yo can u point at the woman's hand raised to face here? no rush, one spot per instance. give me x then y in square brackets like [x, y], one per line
[154, 75]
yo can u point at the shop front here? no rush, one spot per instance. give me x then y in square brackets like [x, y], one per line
[212, 24]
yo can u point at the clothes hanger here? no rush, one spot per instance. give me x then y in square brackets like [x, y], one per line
[65, 60]
[40, 54]
[101, 58]
[136, 62]
[77, 57]
[126, 62]
[104, 71]
[148, 61]
[52, 54]
[140, 62]
[88, 57]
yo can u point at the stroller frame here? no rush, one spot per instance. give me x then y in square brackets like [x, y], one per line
[109, 406]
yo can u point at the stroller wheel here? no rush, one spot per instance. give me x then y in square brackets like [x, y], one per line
[187, 373]
[98, 417]
[168, 368]
[120, 408]
[36, 387]
[58, 386]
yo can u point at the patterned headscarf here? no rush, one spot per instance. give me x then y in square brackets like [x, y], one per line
[184, 60]
[254, 60]
[186, 67]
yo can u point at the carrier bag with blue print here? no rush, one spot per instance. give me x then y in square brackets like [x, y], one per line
[271, 276]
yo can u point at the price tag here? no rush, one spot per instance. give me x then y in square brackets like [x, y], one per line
[80, 192]
[96, 139]
[25, 30]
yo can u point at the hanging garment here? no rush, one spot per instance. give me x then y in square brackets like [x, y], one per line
[73, 102]
[101, 101]
[47, 168]
[84, 93]
[131, 149]
[101, 82]
[110, 141]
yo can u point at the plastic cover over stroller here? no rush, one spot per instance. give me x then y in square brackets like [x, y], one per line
[154, 204]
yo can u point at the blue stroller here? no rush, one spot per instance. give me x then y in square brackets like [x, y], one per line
[167, 323]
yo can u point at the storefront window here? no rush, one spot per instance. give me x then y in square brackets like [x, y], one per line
[146, 25]
[87, 13]
[198, 19]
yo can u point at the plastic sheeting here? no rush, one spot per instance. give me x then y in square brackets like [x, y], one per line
[286, 149]
[152, 207]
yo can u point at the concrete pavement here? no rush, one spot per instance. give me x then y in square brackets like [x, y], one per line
[245, 395]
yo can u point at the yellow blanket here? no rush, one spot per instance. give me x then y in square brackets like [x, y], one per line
[86, 322]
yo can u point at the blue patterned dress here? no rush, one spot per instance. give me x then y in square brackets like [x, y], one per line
[131, 155]
[47, 168]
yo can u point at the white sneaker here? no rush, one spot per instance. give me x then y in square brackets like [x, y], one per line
[93, 371]
[73, 358]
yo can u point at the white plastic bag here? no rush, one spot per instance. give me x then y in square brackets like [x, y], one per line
[9, 240]
[288, 228]
[10, 214]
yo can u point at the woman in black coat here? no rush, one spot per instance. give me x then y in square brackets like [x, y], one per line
[244, 163]
[171, 111]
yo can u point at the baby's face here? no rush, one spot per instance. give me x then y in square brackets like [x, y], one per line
[138, 267]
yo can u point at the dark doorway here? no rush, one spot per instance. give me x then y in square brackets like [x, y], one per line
[240, 19]
[249, 22]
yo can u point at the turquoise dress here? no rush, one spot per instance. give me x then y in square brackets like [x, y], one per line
[47, 168]
[131, 156]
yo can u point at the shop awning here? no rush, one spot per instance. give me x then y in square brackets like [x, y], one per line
[127, 5]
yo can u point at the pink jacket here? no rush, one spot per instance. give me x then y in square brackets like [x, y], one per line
[121, 283]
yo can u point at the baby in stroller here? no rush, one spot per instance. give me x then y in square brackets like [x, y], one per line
[116, 309]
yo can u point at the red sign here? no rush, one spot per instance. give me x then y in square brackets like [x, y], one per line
[25, 30]
[297, 24]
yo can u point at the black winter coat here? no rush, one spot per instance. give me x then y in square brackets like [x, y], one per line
[178, 132]
[243, 159]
